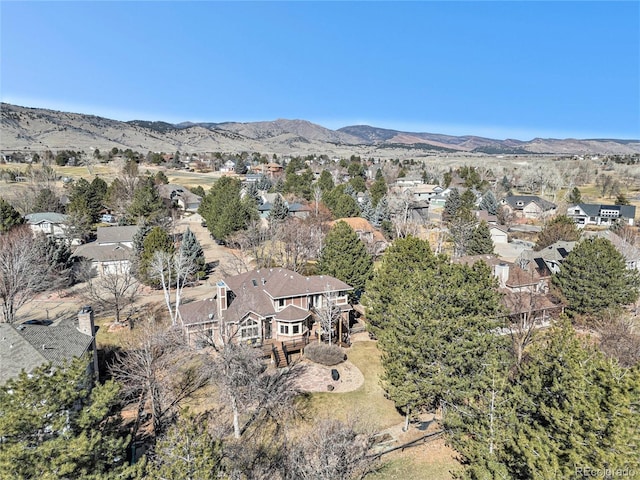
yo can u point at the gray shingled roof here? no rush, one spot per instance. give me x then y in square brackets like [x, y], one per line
[103, 253]
[26, 347]
[51, 217]
[116, 234]
[513, 201]
[593, 210]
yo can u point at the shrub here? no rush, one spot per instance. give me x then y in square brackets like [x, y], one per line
[324, 354]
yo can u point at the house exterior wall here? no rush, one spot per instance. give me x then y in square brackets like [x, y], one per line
[498, 236]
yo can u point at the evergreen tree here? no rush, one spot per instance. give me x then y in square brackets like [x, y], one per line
[574, 409]
[161, 178]
[367, 210]
[378, 189]
[452, 205]
[346, 206]
[224, 210]
[192, 250]
[480, 242]
[47, 201]
[198, 190]
[489, 203]
[156, 240]
[9, 216]
[594, 277]
[381, 214]
[358, 184]
[400, 262]
[575, 197]
[345, 257]
[438, 334]
[559, 228]
[279, 210]
[54, 425]
[146, 204]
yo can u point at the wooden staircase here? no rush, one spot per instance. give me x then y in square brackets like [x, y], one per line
[279, 357]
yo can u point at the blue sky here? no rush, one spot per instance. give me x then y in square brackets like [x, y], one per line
[496, 69]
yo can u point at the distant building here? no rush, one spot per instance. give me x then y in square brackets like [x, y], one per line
[529, 206]
[52, 224]
[601, 215]
[111, 251]
[180, 196]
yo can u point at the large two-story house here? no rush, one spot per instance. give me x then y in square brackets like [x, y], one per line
[268, 307]
[602, 215]
[111, 251]
[529, 206]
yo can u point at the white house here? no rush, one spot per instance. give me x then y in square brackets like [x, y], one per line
[52, 224]
[111, 252]
[591, 214]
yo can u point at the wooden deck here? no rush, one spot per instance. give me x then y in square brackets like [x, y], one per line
[280, 352]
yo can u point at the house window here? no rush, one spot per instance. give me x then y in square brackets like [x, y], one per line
[284, 329]
[281, 302]
[296, 329]
[249, 329]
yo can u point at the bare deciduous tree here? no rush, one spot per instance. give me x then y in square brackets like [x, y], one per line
[173, 271]
[332, 450]
[328, 315]
[23, 273]
[158, 369]
[112, 291]
[252, 394]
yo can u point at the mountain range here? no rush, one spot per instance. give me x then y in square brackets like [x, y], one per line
[36, 129]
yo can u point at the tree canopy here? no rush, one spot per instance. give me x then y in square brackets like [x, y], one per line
[9, 216]
[53, 424]
[345, 257]
[594, 277]
[559, 228]
[224, 210]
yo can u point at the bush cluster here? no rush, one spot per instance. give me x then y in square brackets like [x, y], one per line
[324, 354]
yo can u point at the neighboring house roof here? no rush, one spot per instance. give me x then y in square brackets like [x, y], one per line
[26, 347]
[103, 253]
[486, 216]
[501, 228]
[363, 225]
[630, 252]
[518, 202]
[202, 311]
[593, 210]
[172, 191]
[50, 217]
[518, 276]
[116, 234]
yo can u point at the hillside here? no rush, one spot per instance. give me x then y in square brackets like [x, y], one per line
[36, 129]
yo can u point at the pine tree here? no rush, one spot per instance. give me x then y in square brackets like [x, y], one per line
[9, 216]
[574, 409]
[400, 261]
[367, 210]
[192, 250]
[381, 214]
[47, 201]
[489, 203]
[54, 425]
[279, 210]
[575, 197]
[146, 204]
[156, 240]
[480, 242]
[224, 210]
[594, 277]
[452, 205]
[345, 257]
[438, 335]
[378, 189]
